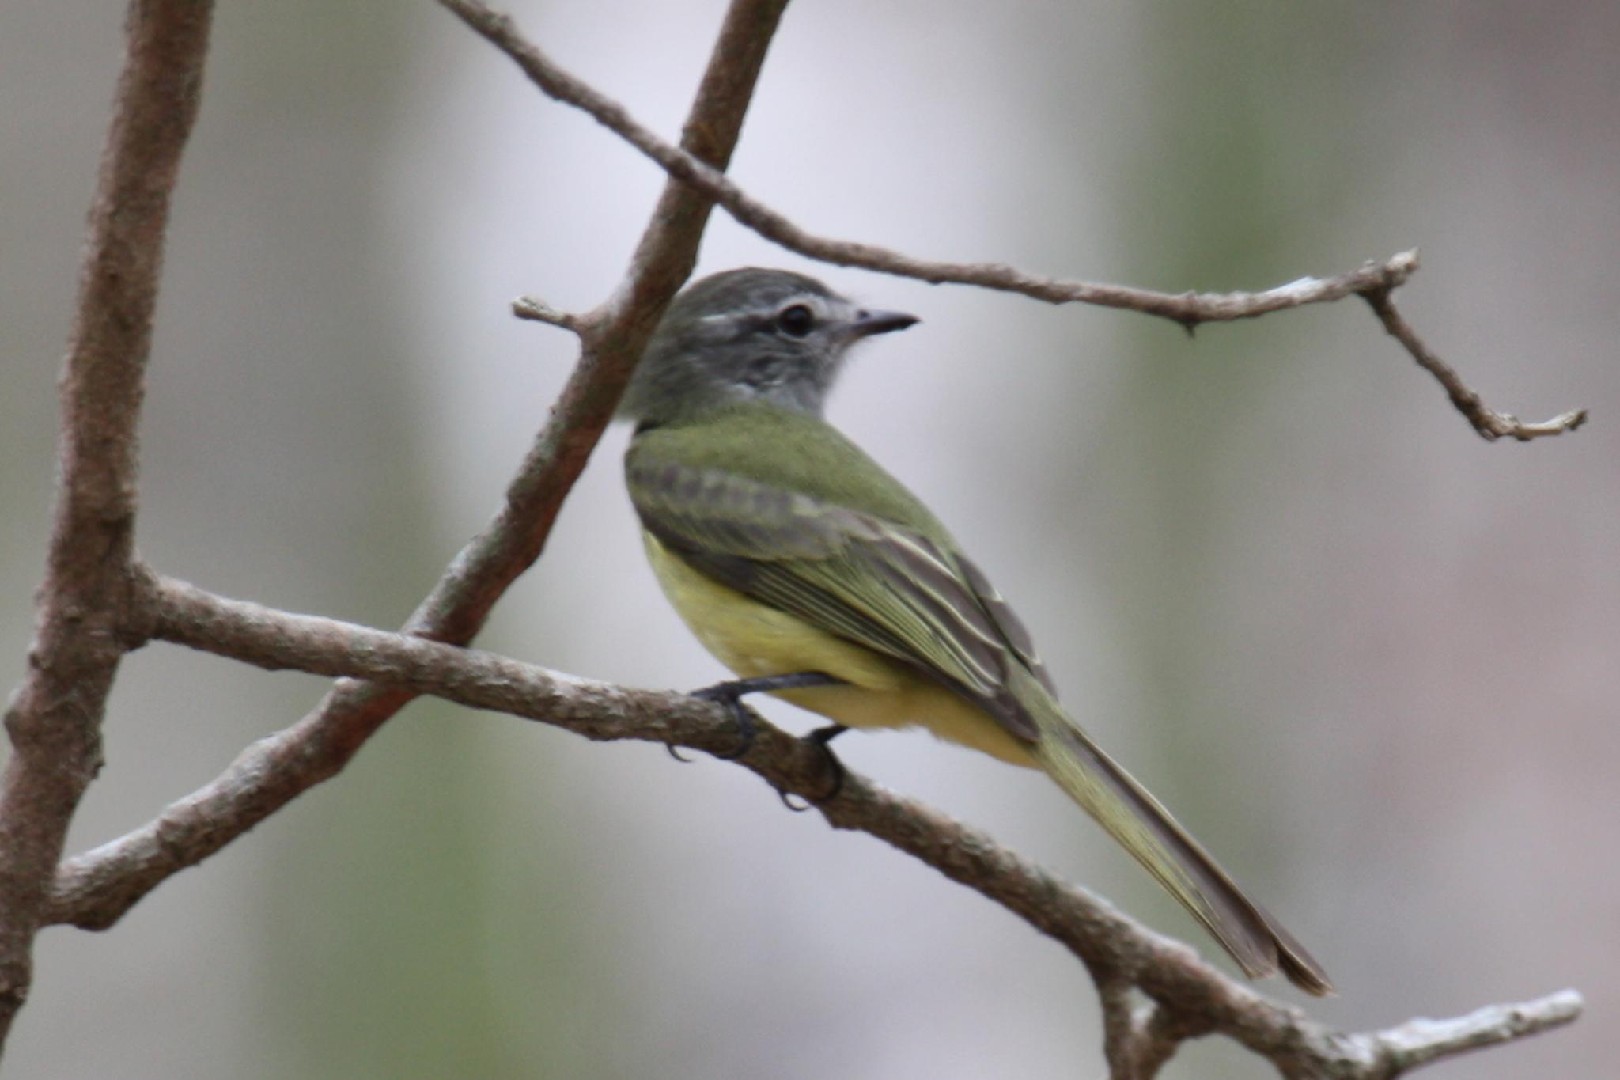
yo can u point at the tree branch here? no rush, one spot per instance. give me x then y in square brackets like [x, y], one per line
[1189, 309]
[1490, 424]
[83, 608]
[1189, 997]
[96, 604]
[1140, 1039]
[1373, 281]
[273, 771]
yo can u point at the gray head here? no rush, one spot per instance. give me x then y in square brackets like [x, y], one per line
[749, 335]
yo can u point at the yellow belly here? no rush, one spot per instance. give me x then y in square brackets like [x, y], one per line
[752, 639]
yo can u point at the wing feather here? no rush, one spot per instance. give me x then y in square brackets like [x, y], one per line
[873, 582]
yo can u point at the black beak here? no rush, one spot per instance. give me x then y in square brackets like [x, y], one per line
[868, 323]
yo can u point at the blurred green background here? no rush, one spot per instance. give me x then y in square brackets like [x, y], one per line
[1370, 658]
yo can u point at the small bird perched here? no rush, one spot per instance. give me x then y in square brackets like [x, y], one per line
[791, 554]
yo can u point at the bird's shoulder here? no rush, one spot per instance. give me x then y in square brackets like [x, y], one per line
[770, 457]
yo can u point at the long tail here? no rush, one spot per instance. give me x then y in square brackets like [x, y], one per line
[1145, 829]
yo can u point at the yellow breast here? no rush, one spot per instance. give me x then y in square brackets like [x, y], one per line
[752, 639]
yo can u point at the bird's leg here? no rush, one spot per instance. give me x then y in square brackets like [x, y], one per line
[730, 695]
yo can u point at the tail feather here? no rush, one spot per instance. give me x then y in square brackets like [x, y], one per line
[1145, 828]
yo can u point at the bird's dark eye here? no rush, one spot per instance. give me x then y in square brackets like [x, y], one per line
[795, 321]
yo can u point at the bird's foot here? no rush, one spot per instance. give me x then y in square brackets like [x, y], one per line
[729, 695]
[821, 737]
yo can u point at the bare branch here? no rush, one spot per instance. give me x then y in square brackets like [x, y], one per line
[96, 603]
[1140, 1037]
[1422, 1042]
[275, 770]
[95, 889]
[1122, 1024]
[1189, 309]
[83, 609]
[535, 310]
[1189, 997]
[1374, 281]
[1490, 424]
[612, 338]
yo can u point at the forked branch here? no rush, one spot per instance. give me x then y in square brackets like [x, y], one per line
[82, 607]
[95, 604]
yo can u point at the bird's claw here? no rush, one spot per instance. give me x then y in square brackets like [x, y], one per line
[820, 738]
[729, 695]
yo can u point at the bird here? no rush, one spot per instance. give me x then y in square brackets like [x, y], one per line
[809, 571]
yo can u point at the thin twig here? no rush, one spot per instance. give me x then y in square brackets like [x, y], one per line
[1422, 1042]
[1373, 280]
[536, 310]
[83, 607]
[1490, 424]
[1191, 998]
[1188, 309]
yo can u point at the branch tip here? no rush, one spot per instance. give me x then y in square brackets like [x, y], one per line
[1400, 267]
[1419, 1042]
[1486, 421]
[533, 309]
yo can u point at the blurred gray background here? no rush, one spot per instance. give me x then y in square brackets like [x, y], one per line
[1369, 657]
